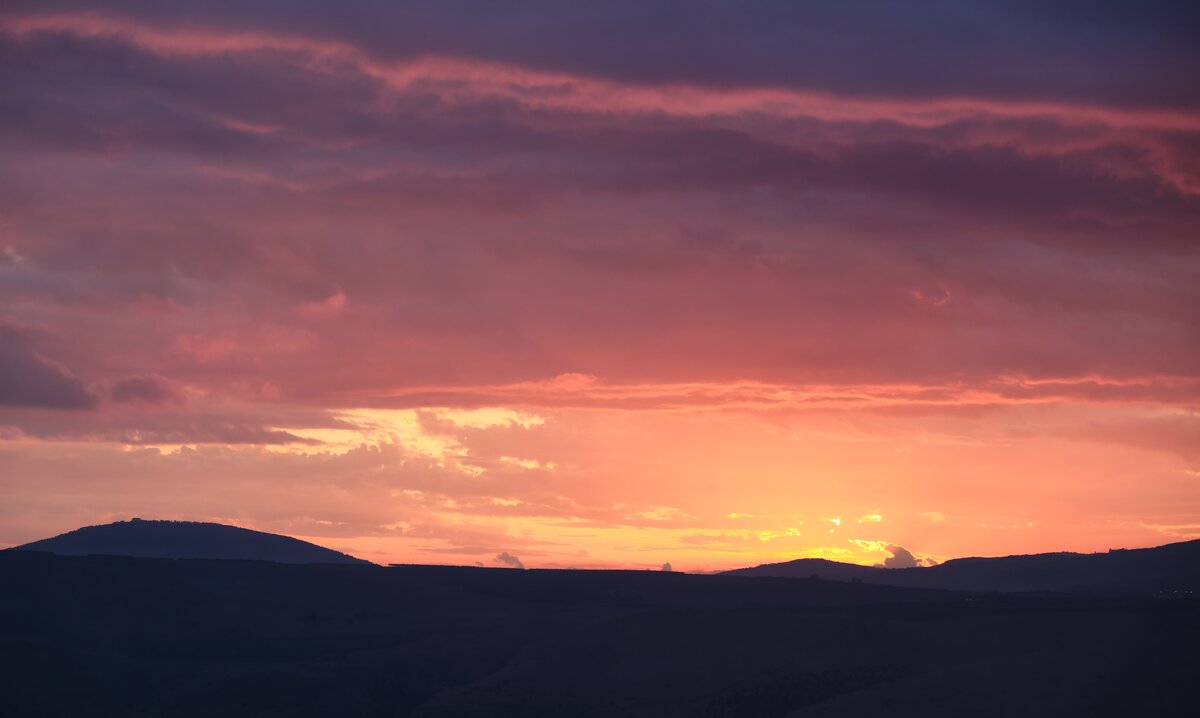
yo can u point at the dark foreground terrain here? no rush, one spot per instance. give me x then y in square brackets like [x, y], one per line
[157, 637]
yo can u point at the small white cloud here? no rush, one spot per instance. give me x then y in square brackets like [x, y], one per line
[933, 516]
[772, 535]
[508, 559]
[872, 546]
[527, 463]
[662, 513]
[489, 418]
[900, 558]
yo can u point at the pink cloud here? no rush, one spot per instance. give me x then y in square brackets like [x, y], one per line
[693, 258]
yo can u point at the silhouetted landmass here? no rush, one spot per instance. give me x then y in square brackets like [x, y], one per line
[1173, 569]
[185, 539]
[98, 635]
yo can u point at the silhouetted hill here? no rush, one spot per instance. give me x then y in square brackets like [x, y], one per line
[1173, 569]
[114, 636]
[810, 567]
[185, 539]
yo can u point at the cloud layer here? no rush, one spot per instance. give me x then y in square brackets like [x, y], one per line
[960, 225]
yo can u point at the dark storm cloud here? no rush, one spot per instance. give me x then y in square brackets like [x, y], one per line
[1120, 53]
[326, 137]
[263, 199]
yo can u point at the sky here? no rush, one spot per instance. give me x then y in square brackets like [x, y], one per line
[605, 286]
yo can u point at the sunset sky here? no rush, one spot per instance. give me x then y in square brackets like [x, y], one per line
[707, 283]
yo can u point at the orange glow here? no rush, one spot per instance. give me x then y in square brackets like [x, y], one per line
[439, 302]
[704, 489]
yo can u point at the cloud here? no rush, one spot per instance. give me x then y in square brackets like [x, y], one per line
[28, 379]
[1185, 532]
[428, 235]
[138, 423]
[264, 269]
[661, 513]
[151, 389]
[900, 558]
[679, 43]
[508, 559]
[1172, 431]
[929, 397]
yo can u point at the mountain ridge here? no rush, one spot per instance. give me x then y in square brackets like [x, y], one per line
[1156, 570]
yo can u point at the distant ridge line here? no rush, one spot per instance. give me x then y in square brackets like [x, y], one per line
[1171, 569]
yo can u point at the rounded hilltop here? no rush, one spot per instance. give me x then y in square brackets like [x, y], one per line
[145, 538]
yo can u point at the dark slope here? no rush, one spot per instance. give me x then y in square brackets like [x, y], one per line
[815, 567]
[112, 636]
[185, 539]
[1164, 570]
